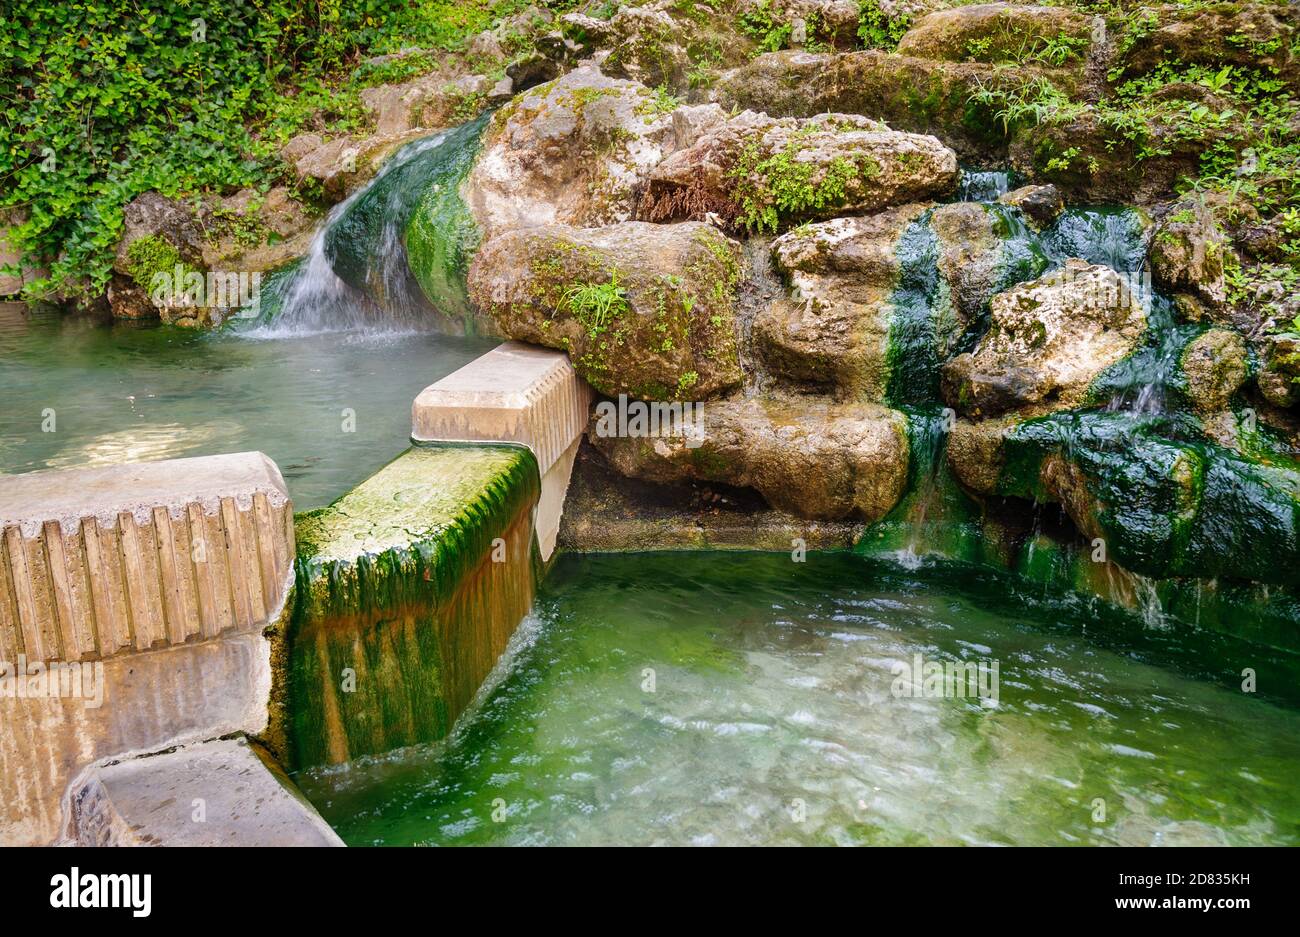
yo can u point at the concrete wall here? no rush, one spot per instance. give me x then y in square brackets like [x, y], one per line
[157, 580]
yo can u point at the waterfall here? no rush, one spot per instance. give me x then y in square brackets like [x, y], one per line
[983, 185]
[356, 277]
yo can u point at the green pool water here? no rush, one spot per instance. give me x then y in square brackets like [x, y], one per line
[746, 699]
[329, 408]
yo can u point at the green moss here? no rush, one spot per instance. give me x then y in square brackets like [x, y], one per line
[376, 574]
[1169, 503]
[149, 256]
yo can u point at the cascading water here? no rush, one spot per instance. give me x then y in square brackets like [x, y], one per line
[983, 185]
[356, 276]
[1140, 444]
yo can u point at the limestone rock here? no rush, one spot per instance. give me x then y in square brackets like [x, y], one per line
[763, 173]
[1039, 204]
[1214, 365]
[976, 454]
[645, 310]
[645, 47]
[807, 456]
[152, 215]
[342, 165]
[574, 151]
[909, 93]
[970, 262]
[1000, 32]
[1049, 340]
[833, 329]
[27, 268]
[396, 108]
[833, 22]
[160, 237]
[531, 71]
[1187, 250]
[250, 232]
[1278, 377]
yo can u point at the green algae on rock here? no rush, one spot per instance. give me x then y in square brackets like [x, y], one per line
[833, 326]
[1165, 506]
[442, 235]
[408, 588]
[406, 237]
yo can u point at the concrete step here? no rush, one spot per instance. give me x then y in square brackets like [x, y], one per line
[221, 793]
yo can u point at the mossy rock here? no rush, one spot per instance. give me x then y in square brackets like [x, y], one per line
[644, 310]
[1002, 33]
[761, 174]
[1165, 504]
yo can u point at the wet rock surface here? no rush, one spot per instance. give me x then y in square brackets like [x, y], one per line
[833, 327]
[1049, 340]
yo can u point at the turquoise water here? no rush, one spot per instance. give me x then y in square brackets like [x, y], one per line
[721, 698]
[126, 393]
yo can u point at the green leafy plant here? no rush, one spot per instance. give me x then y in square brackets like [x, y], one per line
[105, 99]
[762, 24]
[877, 29]
[595, 305]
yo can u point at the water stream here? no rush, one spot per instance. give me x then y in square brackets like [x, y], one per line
[720, 699]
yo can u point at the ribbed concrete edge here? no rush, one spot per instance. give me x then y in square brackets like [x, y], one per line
[100, 562]
[218, 793]
[515, 393]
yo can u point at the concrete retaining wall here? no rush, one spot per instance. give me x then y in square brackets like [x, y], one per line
[514, 393]
[156, 581]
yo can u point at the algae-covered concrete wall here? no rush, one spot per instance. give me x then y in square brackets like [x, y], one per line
[409, 587]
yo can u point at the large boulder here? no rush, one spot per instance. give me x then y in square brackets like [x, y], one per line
[644, 310]
[807, 456]
[1246, 35]
[971, 264]
[159, 253]
[573, 151]
[255, 232]
[1213, 367]
[1279, 374]
[337, 167]
[1039, 205]
[151, 215]
[1164, 507]
[645, 45]
[909, 93]
[1001, 33]
[1050, 339]
[833, 327]
[1187, 253]
[761, 173]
